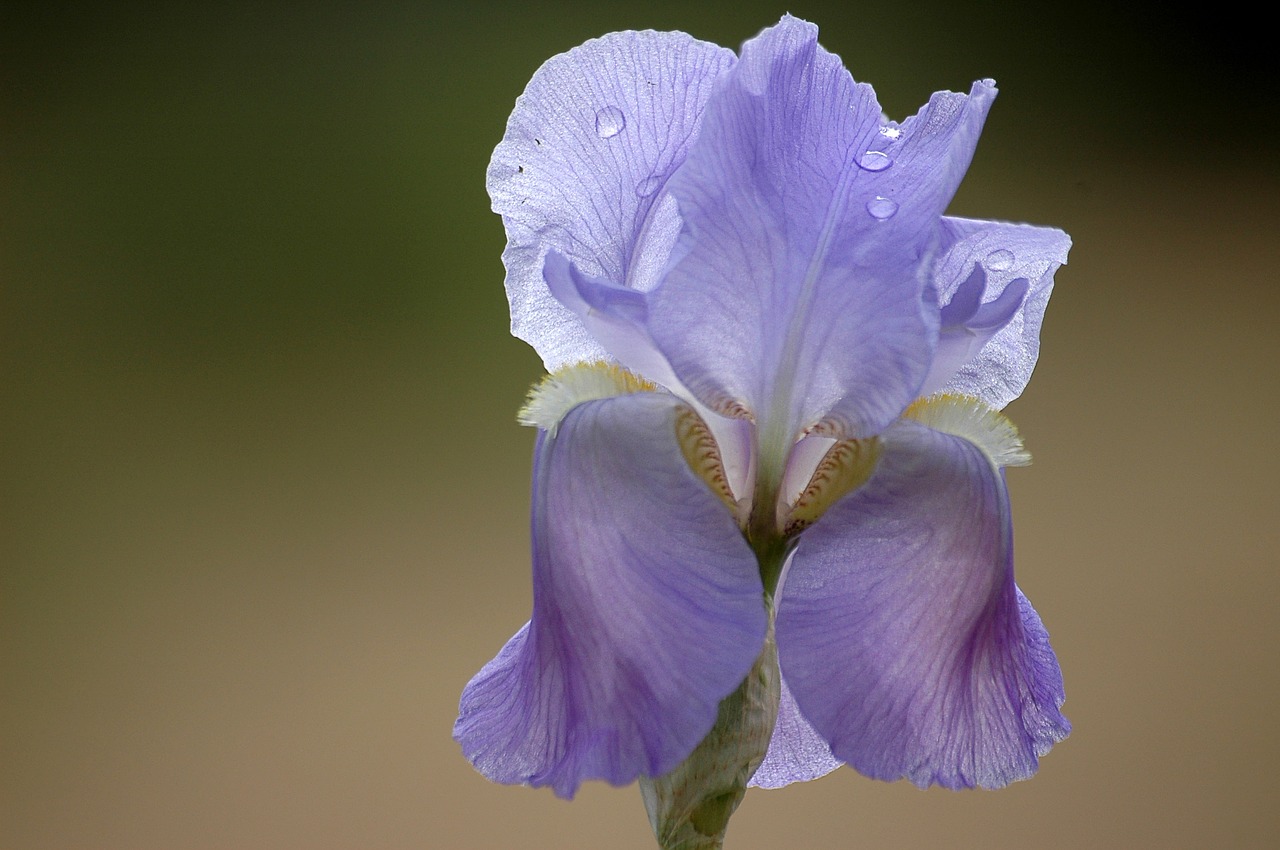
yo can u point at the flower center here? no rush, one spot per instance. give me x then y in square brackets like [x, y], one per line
[796, 482]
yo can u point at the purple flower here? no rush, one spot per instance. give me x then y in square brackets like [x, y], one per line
[777, 369]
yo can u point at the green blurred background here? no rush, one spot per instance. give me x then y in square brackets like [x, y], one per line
[265, 502]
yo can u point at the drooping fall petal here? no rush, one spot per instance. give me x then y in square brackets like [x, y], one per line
[648, 609]
[902, 634]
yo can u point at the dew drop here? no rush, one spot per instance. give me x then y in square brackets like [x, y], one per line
[890, 132]
[610, 122]
[648, 186]
[874, 161]
[999, 260]
[882, 208]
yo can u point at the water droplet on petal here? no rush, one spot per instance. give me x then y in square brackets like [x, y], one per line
[999, 260]
[890, 131]
[610, 122]
[648, 185]
[882, 208]
[874, 161]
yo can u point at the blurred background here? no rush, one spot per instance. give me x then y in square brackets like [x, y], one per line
[264, 501]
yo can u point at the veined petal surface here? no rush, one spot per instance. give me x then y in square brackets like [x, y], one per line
[1009, 254]
[968, 324]
[809, 232]
[902, 634]
[582, 166]
[797, 753]
[648, 610]
[616, 317]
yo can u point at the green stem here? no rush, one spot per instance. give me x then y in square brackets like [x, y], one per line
[689, 808]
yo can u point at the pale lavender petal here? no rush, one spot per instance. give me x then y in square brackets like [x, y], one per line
[581, 168]
[616, 317]
[965, 301]
[648, 610]
[968, 326]
[808, 233]
[995, 314]
[1009, 254]
[931, 152]
[902, 634]
[797, 753]
[613, 315]
[774, 280]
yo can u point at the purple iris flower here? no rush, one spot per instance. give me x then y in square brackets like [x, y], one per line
[773, 414]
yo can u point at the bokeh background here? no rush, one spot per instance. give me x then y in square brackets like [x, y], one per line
[265, 502]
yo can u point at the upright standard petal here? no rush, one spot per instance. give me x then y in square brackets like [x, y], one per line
[581, 168]
[1011, 257]
[810, 232]
[931, 152]
[648, 609]
[902, 634]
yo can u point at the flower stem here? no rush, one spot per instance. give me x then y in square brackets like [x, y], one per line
[689, 808]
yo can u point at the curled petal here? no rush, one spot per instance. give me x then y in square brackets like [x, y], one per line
[614, 315]
[648, 610]
[968, 325]
[1018, 262]
[617, 319]
[581, 169]
[902, 634]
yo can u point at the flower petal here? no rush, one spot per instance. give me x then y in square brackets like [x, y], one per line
[902, 634]
[648, 609]
[809, 232]
[797, 753]
[1010, 255]
[617, 319]
[932, 150]
[967, 326]
[587, 150]
[614, 315]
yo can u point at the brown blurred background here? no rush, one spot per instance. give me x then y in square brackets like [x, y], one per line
[265, 502]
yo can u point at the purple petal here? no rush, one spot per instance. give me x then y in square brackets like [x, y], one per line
[968, 326]
[587, 150]
[614, 316]
[965, 300]
[647, 610]
[932, 150]
[902, 634]
[1011, 255]
[808, 233]
[797, 753]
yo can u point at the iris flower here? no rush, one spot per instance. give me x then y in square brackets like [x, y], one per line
[771, 419]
